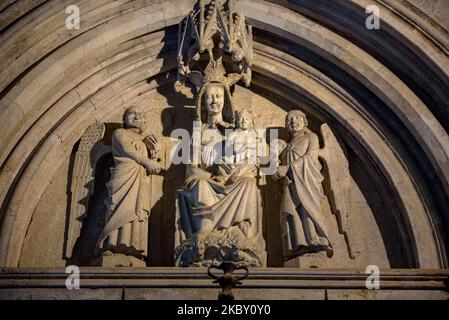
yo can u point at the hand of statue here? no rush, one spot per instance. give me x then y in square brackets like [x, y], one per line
[281, 172]
[225, 125]
[152, 167]
[152, 144]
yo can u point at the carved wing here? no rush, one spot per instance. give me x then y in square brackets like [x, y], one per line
[233, 78]
[89, 151]
[340, 183]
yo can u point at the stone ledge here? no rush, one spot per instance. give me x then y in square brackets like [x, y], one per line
[212, 294]
[194, 284]
[157, 277]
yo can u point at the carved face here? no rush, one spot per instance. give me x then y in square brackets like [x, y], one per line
[244, 120]
[214, 98]
[294, 123]
[133, 119]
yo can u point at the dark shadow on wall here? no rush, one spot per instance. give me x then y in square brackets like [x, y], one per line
[69, 201]
[177, 114]
[162, 221]
[271, 220]
[93, 224]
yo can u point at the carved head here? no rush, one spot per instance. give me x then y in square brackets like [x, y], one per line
[133, 118]
[214, 99]
[214, 95]
[244, 119]
[296, 121]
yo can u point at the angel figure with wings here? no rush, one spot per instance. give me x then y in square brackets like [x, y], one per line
[304, 228]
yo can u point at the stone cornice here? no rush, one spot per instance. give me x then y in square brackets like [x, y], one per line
[157, 277]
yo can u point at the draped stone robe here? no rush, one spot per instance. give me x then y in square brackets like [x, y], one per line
[303, 228]
[226, 203]
[126, 229]
[233, 203]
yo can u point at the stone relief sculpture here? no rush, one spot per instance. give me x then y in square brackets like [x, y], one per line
[304, 230]
[219, 209]
[221, 212]
[213, 27]
[126, 229]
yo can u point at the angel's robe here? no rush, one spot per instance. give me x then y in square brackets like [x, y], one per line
[126, 228]
[303, 228]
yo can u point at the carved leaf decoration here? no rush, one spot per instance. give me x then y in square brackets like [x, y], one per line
[340, 183]
[181, 88]
[82, 186]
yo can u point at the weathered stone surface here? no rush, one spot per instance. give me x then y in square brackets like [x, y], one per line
[61, 294]
[212, 294]
[280, 294]
[193, 283]
[384, 95]
[171, 294]
[436, 9]
[387, 295]
[119, 261]
[41, 247]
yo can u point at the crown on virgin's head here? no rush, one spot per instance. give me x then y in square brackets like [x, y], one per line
[215, 72]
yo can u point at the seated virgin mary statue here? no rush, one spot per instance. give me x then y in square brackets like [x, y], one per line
[219, 208]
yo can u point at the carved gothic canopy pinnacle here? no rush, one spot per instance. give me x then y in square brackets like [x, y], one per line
[213, 39]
